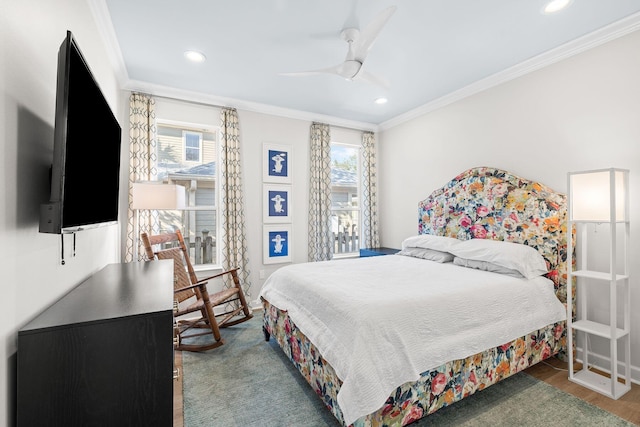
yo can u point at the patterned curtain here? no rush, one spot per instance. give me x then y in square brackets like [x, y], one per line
[369, 192]
[142, 166]
[320, 237]
[234, 237]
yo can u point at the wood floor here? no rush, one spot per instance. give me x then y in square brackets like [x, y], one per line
[551, 371]
[554, 372]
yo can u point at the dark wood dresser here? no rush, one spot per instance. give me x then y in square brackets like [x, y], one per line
[102, 355]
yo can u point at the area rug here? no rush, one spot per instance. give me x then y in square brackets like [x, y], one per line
[250, 382]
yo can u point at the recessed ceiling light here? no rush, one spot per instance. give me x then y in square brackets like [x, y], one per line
[381, 101]
[195, 56]
[556, 6]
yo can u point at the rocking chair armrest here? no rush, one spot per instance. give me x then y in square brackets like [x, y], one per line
[201, 284]
[219, 274]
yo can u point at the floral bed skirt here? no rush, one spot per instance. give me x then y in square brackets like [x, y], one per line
[434, 389]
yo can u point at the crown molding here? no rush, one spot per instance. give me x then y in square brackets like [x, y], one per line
[596, 38]
[217, 101]
[101, 15]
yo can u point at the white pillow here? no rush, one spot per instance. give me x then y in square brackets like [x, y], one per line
[430, 254]
[487, 266]
[515, 256]
[429, 241]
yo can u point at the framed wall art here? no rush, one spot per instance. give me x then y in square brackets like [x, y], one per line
[276, 243]
[276, 203]
[276, 163]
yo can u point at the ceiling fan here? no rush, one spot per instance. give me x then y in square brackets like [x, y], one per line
[360, 43]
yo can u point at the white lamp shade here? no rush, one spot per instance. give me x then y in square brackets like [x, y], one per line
[151, 195]
[591, 198]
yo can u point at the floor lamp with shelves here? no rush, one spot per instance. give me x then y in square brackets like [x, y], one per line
[600, 197]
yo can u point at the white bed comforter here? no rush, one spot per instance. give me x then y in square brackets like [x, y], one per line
[382, 321]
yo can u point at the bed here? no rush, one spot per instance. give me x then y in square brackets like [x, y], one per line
[389, 340]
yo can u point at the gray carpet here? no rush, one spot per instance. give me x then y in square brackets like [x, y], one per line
[249, 382]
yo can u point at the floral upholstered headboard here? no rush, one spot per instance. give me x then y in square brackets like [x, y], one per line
[489, 203]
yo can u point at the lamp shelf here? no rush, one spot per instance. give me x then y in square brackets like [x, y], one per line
[599, 275]
[600, 383]
[598, 329]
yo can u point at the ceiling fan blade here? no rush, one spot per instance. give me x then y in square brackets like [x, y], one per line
[330, 70]
[373, 79]
[370, 33]
[352, 18]
[348, 70]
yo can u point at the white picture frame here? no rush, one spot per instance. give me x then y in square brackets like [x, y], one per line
[277, 160]
[277, 243]
[276, 203]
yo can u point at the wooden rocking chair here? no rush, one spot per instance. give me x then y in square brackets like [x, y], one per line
[188, 287]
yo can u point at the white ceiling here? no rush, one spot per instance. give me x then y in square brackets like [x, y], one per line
[430, 51]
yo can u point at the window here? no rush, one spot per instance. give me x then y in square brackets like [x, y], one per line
[345, 187]
[187, 156]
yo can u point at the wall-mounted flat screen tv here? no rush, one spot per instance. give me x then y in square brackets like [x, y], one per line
[85, 172]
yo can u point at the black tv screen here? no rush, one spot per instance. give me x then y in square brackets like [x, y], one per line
[85, 174]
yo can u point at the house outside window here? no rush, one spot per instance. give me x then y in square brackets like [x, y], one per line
[192, 145]
[187, 155]
[345, 206]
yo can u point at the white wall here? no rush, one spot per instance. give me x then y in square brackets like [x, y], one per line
[255, 130]
[579, 114]
[31, 32]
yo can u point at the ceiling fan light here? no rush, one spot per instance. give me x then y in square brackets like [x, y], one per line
[195, 56]
[556, 6]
